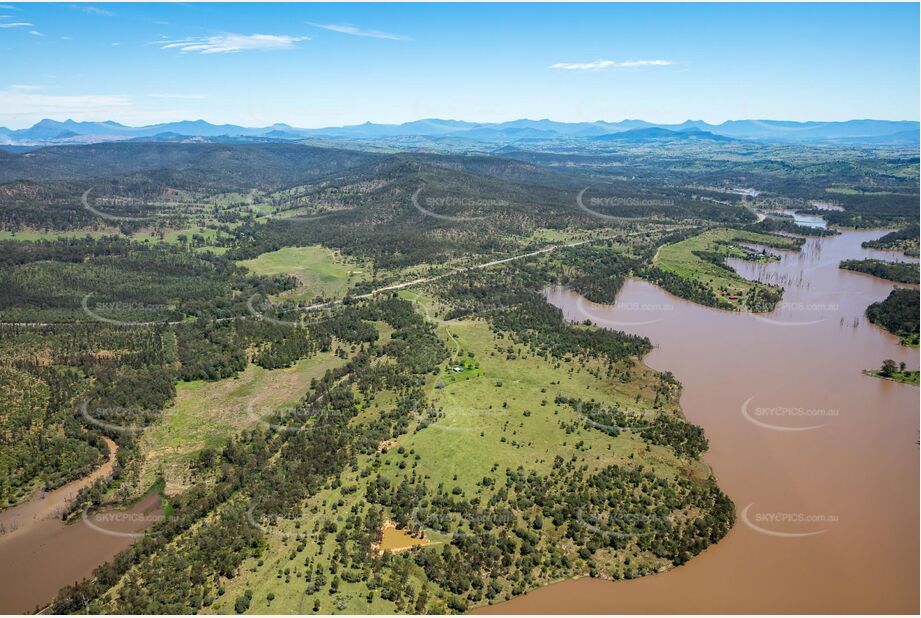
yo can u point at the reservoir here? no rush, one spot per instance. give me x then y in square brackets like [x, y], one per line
[820, 459]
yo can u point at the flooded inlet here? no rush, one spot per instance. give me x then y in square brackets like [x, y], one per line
[820, 460]
[40, 554]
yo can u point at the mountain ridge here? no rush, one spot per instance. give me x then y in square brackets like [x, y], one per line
[53, 132]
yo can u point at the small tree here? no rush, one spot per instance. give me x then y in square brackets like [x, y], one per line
[888, 368]
[241, 604]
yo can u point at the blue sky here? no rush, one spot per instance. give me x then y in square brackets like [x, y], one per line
[324, 65]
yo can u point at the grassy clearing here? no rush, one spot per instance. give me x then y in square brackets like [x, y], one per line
[683, 260]
[170, 236]
[282, 568]
[500, 412]
[852, 191]
[321, 271]
[205, 414]
[547, 236]
[497, 412]
[198, 237]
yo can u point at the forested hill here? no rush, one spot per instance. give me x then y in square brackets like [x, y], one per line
[44, 189]
[236, 165]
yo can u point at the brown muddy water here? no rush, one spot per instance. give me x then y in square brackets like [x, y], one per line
[821, 461]
[39, 554]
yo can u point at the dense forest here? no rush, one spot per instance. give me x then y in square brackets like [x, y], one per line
[113, 278]
[898, 314]
[43, 444]
[904, 240]
[900, 272]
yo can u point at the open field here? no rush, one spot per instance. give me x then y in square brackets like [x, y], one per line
[699, 259]
[172, 235]
[321, 271]
[169, 235]
[205, 414]
[505, 408]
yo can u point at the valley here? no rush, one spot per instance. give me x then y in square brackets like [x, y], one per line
[345, 381]
[374, 309]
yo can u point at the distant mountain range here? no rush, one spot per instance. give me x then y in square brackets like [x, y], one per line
[658, 133]
[871, 132]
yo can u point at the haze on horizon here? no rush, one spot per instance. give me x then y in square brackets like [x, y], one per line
[314, 66]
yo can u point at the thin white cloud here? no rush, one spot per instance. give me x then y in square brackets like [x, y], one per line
[22, 100]
[25, 87]
[35, 33]
[599, 65]
[231, 43]
[177, 95]
[92, 10]
[17, 24]
[356, 31]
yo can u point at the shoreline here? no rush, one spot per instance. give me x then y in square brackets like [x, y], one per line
[47, 505]
[711, 399]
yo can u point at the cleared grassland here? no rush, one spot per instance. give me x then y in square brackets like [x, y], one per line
[172, 235]
[498, 412]
[680, 259]
[503, 413]
[205, 414]
[281, 569]
[168, 236]
[320, 271]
